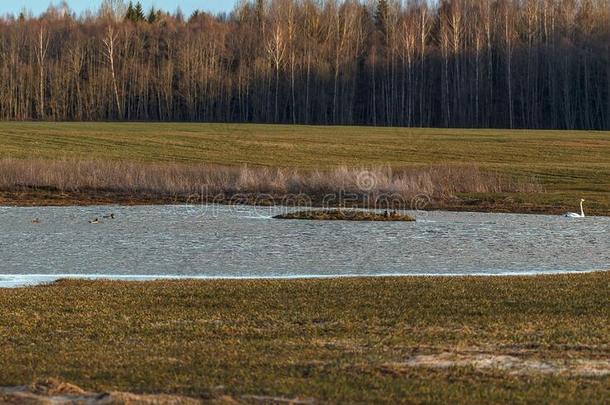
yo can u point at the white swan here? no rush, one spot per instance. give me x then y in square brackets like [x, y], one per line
[576, 215]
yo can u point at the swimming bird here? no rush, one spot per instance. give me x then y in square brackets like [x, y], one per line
[36, 221]
[95, 221]
[111, 216]
[576, 215]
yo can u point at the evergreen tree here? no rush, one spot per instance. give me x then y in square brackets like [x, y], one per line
[152, 16]
[135, 13]
[194, 15]
[179, 15]
[139, 12]
[129, 15]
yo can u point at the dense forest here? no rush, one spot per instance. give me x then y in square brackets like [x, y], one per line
[447, 63]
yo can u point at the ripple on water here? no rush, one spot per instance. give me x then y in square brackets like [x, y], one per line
[217, 241]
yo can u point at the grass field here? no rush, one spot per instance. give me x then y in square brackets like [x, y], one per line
[569, 164]
[435, 340]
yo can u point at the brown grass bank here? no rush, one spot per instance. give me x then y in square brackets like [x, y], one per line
[26, 182]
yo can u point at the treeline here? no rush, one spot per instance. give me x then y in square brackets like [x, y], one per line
[452, 63]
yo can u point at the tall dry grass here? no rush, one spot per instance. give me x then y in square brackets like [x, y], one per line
[439, 182]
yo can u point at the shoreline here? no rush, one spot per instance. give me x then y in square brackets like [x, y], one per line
[481, 204]
[37, 280]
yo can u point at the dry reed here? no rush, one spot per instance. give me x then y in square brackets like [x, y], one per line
[438, 182]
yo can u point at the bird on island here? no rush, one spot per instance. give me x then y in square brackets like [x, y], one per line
[36, 221]
[95, 221]
[386, 214]
[111, 216]
[577, 215]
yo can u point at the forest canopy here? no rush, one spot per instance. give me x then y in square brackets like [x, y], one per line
[448, 63]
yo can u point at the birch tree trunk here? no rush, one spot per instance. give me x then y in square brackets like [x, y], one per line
[109, 42]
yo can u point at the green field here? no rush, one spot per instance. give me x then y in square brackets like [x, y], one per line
[570, 164]
[349, 340]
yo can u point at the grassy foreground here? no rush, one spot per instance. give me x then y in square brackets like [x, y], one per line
[356, 340]
[569, 164]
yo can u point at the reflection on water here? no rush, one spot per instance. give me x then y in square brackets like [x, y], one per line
[221, 241]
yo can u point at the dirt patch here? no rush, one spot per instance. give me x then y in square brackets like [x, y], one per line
[59, 393]
[54, 392]
[345, 345]
[506, 363]
[278, 400]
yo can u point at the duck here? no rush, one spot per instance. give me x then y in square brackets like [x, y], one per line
[36, 221]
[111, 216]
[95, 221]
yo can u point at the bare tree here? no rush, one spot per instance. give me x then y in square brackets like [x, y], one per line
[471, 63]
[109, 42]
[276, 50]
[508, 43]
[42, 48]
[113, 9]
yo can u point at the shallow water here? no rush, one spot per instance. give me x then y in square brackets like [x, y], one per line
[244, 242]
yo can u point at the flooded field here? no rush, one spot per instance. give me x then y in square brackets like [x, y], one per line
[147, 242]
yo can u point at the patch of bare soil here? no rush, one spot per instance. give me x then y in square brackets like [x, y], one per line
[53, 392]
[506, 363]
[264, 399]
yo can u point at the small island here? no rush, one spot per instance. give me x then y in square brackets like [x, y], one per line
[347, 215]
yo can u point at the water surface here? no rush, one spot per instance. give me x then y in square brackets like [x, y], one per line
[148, 242]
